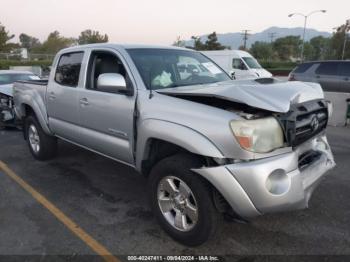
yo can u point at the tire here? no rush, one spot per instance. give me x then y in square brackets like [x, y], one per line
[193, 230]
[42, 146]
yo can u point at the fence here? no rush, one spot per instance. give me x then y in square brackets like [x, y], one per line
[31, 57]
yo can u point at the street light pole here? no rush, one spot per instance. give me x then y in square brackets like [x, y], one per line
[305, 22]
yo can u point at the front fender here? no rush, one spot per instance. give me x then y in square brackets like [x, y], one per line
[174, 133]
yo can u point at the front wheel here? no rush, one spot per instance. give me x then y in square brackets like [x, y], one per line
[41, 145]
[182, 201]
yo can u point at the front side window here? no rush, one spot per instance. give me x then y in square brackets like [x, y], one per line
[68, 69]
[102, 62]
[237, 63]
[166, 68]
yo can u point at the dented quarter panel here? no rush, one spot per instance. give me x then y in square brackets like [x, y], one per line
[33, 96]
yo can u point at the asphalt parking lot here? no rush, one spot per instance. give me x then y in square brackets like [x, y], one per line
[108, 201]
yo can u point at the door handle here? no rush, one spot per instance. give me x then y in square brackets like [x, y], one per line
[52, 96]
[346, 78]
[84, 102]
[318, 77]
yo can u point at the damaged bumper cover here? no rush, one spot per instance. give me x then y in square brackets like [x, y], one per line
[273, 184]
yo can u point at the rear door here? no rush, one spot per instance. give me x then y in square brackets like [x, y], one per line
[327, 74]
[344, 72]
[107, 119]
[62, 96]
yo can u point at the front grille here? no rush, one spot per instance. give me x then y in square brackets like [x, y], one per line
[304, 121]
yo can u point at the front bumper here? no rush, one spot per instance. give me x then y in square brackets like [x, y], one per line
[272, 184]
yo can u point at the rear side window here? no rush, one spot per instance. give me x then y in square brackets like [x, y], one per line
[328, 68]
[303, 67]
[68, 69]
[344, 69]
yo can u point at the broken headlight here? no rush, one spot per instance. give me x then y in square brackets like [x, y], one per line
[260, 135]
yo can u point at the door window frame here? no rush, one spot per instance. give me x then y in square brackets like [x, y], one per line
[80, 71]
[115, 53]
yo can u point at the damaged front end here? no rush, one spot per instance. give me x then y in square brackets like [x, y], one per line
[7, 113]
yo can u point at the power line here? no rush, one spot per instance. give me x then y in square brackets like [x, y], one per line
[245, 36]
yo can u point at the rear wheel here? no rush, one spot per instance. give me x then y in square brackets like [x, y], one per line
[41, 145]
[182, 201]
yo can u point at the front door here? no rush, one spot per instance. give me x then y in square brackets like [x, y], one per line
[107, 119]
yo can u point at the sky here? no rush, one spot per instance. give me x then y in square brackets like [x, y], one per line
[162, 21]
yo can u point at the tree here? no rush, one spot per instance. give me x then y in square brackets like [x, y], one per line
[212, 43]
[179, 42]
[89, 37]
[5, 36]
[198, 45]
[262, 50]
[56, 42]
[29, 42]
[321, 48]
[337, 42]
[287, 47]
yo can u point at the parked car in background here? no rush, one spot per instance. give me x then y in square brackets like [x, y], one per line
[7, 78]
[238, 64]
[208, 145]
[333, 76]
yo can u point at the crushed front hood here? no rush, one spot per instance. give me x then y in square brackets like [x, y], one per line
[6, 89]
[275, 97]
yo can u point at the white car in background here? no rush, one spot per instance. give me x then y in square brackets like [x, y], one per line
[238, 64]
[7, 78]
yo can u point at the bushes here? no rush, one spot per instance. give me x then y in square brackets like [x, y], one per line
[5, 64]
[278, 64]
[278, 67]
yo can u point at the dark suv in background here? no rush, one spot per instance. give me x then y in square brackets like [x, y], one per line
[333, 76]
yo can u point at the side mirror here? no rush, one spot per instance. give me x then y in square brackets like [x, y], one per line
[112, 83]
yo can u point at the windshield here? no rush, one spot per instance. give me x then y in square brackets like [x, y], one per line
[6, 79]
[251, 62]
[165, 68]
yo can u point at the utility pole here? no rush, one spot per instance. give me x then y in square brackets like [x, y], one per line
[272, 36]
[245, 36]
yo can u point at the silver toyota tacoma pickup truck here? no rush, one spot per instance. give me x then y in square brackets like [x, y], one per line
[209, 146]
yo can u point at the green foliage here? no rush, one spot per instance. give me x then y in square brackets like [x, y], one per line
[55, 42]
[5, 36]
[262, 50]
[29, 42]
[337, 42]
[89, 37]
[210, 44]
[5, 64]
[287, 47]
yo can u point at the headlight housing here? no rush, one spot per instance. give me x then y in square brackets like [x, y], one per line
[259, 135]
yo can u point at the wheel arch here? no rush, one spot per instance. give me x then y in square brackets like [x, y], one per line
[171, 137]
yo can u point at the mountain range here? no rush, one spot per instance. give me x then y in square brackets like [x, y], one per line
[234, 40]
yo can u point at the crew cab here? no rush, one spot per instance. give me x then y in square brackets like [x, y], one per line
[209, 146]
